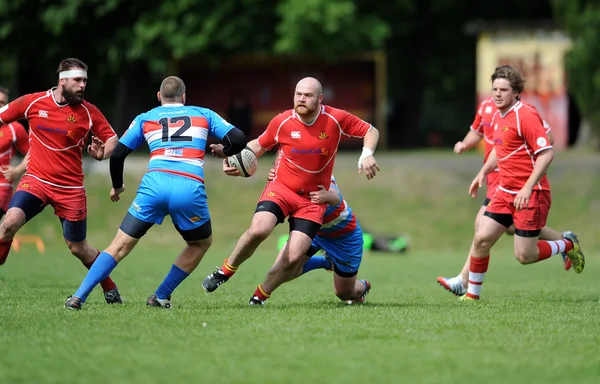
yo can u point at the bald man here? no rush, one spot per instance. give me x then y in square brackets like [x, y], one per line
[308, 136]
[173, 185]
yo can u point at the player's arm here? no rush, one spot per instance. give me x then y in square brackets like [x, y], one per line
[366, 160]
[324, 196]
[12, 173]
[233, 143]
[542, 163]
[548, 131]
[131, 140]
[489, 166]
[256, 148]
[472, 138]
[15, 110]
[109, 147]
[117, 165]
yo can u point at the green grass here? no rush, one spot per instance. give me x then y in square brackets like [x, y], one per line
[535, 323]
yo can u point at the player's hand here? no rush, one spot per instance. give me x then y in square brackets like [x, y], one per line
[369, 165]
[96, 148]
[115, 192]
[271, 176]
[476, 184]
[318, 197]
[229, 170]
[522, 198]
[10, 173]
[217, 151]
[459, 147]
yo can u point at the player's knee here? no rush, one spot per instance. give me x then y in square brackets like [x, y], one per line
[259, 231]
[525, 257]
[344, 293]
[201, 245]
[78, 249]
[12, 222]
[510, 231]
[482, 241]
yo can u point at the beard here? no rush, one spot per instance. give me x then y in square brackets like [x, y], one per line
[72, 97]
[304, 110]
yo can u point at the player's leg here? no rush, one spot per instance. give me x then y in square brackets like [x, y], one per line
[147, 209]
[267, 215]
[189, 212]
[70, 206]
[346, 255]
[314, 261]
[6, 193]
[128, 235]
[548, 233]
[302, 232]
[528, 225]
[458, 285]
[492, 225]
[23, 207]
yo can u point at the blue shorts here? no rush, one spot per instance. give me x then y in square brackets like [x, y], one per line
[161, 194]
[345, 252]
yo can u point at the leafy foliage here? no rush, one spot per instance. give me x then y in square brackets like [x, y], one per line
[581, 19]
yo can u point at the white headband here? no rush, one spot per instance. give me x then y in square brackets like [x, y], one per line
[72, 73]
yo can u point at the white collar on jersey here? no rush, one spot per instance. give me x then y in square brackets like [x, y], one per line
[173, 105]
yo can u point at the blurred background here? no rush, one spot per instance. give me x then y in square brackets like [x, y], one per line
[415, 69]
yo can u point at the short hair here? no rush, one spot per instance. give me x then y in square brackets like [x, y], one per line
[4, 90]
[172, 88]
[71, 63]
[514, 77]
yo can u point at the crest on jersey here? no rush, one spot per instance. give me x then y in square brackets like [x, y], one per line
[71, 119]
[1, 134]
[505, 129]
[271, 194]
[323, 136]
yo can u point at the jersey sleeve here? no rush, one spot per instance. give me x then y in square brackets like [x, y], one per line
[353, 126]
[534, 133]
[21, 138]
[134, 135]
[477, 125]
[15, 110]
[547, 126]
[100, 126]
[268, 139]
[218, 126]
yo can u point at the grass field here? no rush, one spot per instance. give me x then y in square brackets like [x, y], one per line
[535, 324]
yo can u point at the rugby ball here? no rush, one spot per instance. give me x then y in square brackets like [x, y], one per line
[246, 162]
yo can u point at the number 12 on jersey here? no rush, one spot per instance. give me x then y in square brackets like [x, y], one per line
[182, 122]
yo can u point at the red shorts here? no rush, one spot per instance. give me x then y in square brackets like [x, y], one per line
[293, 204]
[6, 193]
[68, 203]
[533, 218]
[492, 181]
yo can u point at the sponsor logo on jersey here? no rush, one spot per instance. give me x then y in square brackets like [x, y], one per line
[42, 113]
[296, 135]
[174, 152]
[311, 151]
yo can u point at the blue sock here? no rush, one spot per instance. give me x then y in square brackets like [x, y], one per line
[174, 278]
[316, 262]
[99, 271]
